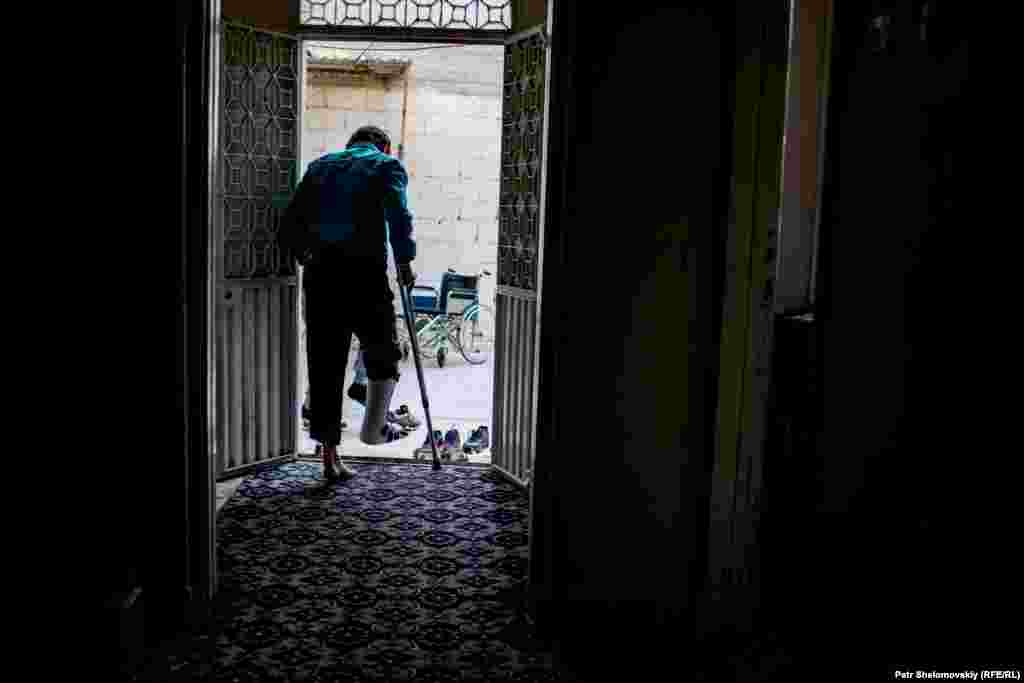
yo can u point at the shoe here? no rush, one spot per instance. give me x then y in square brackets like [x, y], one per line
[452, 442]
[479, 439]
[391, 433]
[403, 417]
[425, 451]
[334, 468]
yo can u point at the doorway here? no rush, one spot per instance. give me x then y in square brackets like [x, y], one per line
[257, 80]
[258, 314]
[441, 104]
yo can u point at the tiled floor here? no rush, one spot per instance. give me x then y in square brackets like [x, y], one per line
[401, 573]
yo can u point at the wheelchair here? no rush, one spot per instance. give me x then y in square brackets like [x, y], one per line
[451, 318]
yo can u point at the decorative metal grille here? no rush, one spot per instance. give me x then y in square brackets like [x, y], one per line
[522, 127]
[485, 15]
[259, 145]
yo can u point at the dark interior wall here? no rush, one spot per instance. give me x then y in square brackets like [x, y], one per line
[906, 498]
[643, 177]
[118, 379]
[113, 377]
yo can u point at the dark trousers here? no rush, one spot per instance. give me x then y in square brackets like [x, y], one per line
[344, 297]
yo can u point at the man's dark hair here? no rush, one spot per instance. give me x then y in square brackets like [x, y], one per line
[372, 135]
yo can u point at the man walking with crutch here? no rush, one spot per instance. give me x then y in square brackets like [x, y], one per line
[346, 209]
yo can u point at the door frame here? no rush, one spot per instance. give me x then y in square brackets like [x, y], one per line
[201, 66]
[204, 58]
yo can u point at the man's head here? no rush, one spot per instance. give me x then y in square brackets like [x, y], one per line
[372, 135]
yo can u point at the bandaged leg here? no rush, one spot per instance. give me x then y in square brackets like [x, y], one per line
[378, 342]
[382, 371]
[376, 428]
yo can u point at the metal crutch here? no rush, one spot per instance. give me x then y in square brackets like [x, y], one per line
[406, 308]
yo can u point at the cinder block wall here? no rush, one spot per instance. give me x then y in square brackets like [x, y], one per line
[452, 144]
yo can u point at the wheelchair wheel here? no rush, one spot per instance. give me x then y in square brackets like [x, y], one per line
[476, 335]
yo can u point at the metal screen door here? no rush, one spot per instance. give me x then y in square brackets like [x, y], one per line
[256, 286]
[520, 249]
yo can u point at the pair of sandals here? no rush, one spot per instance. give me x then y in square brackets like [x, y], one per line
[404, 418]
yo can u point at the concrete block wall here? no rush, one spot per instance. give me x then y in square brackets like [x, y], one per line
[452, 144]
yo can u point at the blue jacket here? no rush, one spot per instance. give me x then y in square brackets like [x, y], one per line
[355, 200]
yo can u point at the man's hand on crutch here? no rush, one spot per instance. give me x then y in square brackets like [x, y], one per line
[406, 278]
